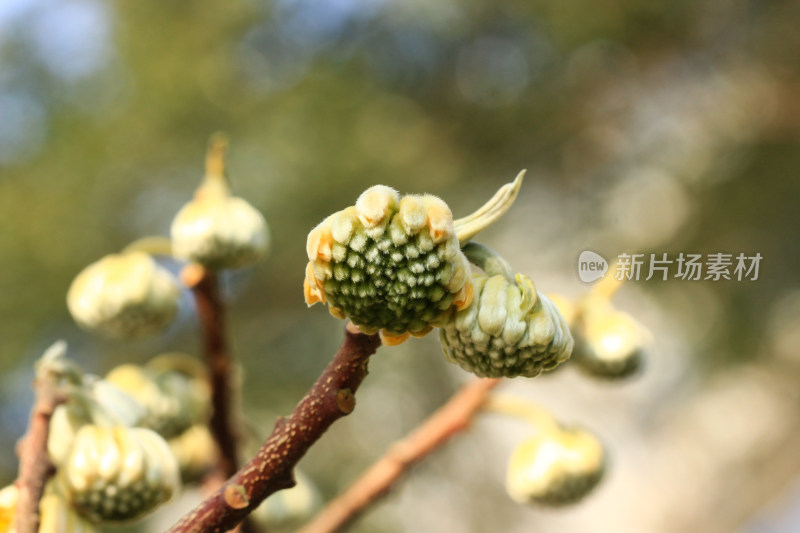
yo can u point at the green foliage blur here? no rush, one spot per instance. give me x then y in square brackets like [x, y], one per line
[645, 127]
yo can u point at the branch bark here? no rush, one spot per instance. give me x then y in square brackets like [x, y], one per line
[330, 398]
[436, 430]
[35, 467]
[211, 314]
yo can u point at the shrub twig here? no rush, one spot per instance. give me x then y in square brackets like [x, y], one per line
[378, 479]
[330, 398]
[35, 466]
[211, 315]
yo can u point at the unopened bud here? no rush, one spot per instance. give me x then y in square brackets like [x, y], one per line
[124, 296]
[555, 467]
[119, 473]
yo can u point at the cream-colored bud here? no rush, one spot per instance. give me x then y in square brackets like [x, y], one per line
[118, 473]
[609, 344]
[220, 231]
[173, 389]
[216, 229]
[555, 467]
[67, 419]
[124, 296]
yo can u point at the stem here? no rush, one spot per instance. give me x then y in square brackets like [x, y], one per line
[488, 260]
[35, 467]
[522, 409]
[329, 399]
[211, 314]
[216, 154]
[446, 422]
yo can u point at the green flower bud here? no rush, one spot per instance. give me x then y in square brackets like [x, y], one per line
[555, 467]
[56, 515]
[124, 296]
[608, 344]
[216, 229]
[119, 473]
[173, 389]
[389, 264]
[195, 451]
[510, 329]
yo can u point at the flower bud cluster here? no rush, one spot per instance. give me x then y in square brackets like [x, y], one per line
[555, 468]
[390, 264]
[124, 296]
[609, 343]
[118, 473]
[173, 389]
[129, 296]
[111, 466]
[219, 230]
[510, 329]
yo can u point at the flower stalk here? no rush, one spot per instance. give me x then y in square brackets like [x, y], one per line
[35, 467]
[451, 419]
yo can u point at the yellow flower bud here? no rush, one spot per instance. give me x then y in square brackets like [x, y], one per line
[119, 473]
[173, 389]
[608, 343]
[216, 229]
[556, 467]
[124, 296]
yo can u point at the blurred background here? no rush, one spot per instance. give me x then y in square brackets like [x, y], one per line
[646, 127]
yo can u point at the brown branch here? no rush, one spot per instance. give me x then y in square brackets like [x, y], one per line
[211, 314]
[376, 482]
[329, 399]
[35, 467]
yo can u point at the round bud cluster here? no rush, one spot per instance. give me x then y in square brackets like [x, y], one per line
[389, 264]
[608, 343]
[118, 473]
[216, 229]
[509, 330]
[555, 467]
[173, 389]
[124, 296]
